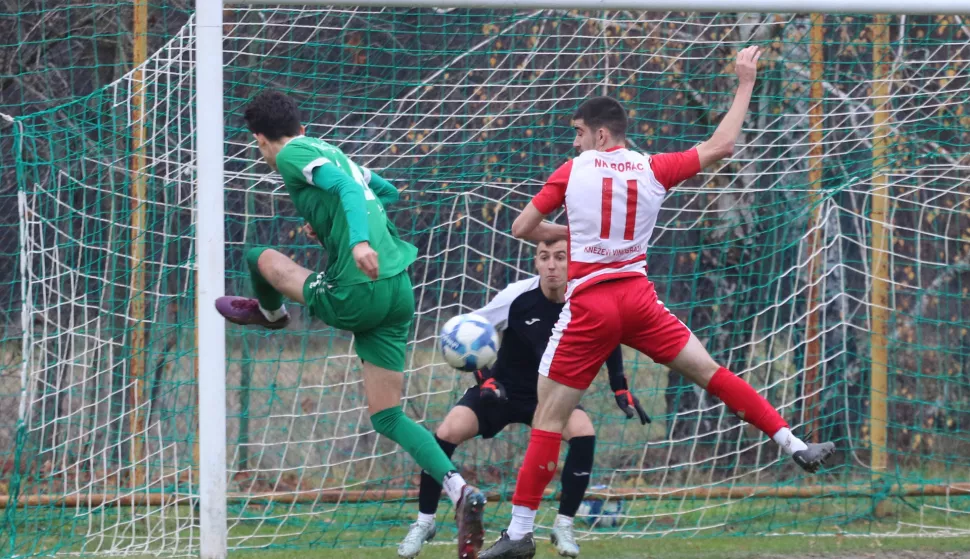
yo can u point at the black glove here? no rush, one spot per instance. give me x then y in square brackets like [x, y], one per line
[492, 391]
[481, 375]
[628, 403]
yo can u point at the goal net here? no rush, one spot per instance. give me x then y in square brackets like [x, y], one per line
[767, 257]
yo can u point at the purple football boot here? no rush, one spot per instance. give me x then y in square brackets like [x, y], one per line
[245, 311]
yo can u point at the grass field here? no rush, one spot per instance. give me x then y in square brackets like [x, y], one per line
[741, 540]
[789, 547]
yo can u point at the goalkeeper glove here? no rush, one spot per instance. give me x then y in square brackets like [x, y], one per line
[493, 391]
[481, 375]
[490, 389]
[629, 403]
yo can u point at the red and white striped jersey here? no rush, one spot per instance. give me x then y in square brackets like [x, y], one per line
[612, 199]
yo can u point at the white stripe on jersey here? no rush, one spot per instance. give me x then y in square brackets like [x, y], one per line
[557, 331]
[497, 310]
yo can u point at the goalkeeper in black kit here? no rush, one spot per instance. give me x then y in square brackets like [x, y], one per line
[526, 311]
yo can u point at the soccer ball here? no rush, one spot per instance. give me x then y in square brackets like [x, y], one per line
[598, 514]
[469, 342]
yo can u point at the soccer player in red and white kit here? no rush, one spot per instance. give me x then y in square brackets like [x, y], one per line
[612, 197]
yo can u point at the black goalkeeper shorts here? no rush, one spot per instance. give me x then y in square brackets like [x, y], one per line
[493, 418]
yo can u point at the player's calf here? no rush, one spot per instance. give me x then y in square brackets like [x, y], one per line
[741, 398]
[695, 363]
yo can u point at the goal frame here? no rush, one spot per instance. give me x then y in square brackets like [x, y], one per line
[210, 199]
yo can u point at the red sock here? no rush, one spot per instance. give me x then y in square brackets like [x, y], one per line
[537, 469]
[745, 401]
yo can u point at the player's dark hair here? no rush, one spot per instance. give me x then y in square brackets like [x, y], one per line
[273, 114]
[603, 112]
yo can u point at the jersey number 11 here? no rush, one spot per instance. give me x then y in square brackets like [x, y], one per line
[607, 210]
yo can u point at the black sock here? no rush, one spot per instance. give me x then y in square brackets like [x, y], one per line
[575, 474]
[430, 492]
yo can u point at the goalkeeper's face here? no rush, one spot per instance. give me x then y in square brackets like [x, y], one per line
[551, 264]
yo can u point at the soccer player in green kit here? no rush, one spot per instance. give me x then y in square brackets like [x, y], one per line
[366, 288]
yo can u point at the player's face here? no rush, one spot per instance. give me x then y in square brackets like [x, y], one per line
[585, 139]
[269, 155]
[551, 264]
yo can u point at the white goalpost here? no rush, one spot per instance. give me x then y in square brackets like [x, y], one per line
[210, 248]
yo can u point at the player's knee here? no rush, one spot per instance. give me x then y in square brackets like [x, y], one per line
[451, 432]
[252, 257]
[706, 371]
[695, 363]
[579, 425]
[386, 420]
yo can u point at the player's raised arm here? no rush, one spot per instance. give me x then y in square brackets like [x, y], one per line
[721, 143]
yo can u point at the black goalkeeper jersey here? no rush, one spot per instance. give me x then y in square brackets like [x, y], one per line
[526, 317]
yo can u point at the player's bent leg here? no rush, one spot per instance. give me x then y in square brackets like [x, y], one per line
[383, 390]
[382, 387]
[273, 276]
[459, 425]
[740, 397]
[575, 479]
[695, 363]
[578, 425]
[556, 404]
[383, 349]
[280, 272]
[588, 330]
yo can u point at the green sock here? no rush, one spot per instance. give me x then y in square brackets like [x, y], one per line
[415, 439]
[267, 295]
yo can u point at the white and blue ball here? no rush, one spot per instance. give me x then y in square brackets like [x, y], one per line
[598, 514]
[469, 342]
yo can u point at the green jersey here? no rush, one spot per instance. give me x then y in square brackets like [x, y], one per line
[335, 196]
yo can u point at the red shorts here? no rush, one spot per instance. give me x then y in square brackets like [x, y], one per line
[602, 316]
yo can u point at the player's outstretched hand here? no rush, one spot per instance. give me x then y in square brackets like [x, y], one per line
[631, 406]
[490, 389]
[366, 259]
[747, 64]
[493, 391]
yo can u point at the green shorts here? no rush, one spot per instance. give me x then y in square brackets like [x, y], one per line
[379, 313]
